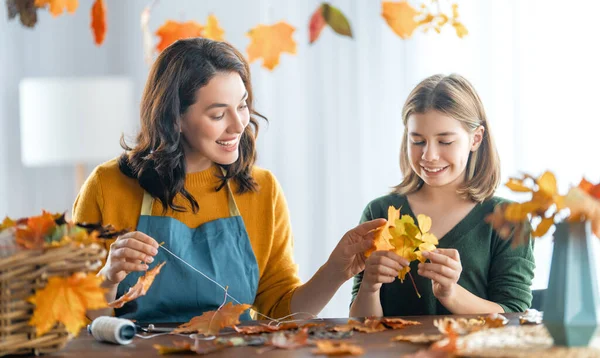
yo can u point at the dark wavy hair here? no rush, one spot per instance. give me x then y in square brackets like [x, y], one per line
[157, 160]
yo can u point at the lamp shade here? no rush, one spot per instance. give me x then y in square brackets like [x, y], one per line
[73, 120]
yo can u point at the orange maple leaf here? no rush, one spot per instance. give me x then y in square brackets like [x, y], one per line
[33, 234]
[211, 322]
[65, 300]
[57, 7]
[398, 323]
[400, 16]
[139, 289]
[98, 15]
[269, 42]
[172, 31]
[382, 234]
[212, 30]
[332, 348]
[588, 187]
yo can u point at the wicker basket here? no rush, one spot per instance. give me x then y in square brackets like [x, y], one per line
[20, 275]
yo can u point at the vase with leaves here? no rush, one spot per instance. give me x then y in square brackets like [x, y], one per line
[572, 301]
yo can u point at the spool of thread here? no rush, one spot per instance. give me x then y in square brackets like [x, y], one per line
[112, 329]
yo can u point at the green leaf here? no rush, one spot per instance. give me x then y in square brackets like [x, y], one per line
[337, 20]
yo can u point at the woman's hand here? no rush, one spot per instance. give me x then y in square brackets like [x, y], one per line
[381, 267]
[348, 257]
[444, 271]
[130, 252]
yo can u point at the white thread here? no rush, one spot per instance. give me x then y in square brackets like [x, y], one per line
[112, 329]
[279, 321]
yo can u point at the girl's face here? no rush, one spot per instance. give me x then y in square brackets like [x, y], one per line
[212, 127]
[439, 147]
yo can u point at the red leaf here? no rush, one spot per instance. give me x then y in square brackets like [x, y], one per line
[317, 24]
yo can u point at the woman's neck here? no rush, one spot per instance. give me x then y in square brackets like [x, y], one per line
[198, 164]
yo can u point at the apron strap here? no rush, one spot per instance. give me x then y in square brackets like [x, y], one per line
[148, 201]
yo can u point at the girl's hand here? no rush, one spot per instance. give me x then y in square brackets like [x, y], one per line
[444, 271]
[130, 252]
[381, 267]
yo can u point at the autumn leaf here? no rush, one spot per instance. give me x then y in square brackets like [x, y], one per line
[584, 207]
[370, 325]
[398, 323]
[400, 16]
[289, 340]
[6, 223]
[494, 320]
[57, 7]
[32, 235]
[316, 25]
[333, 348]
[418, 338]
[186, 347]
[65, 300]
[382, 235]
[269, 42]
[517, 185]
[211, 322]
[26, 10]
[139, 289]
[588, 187]
[98, 15]
[172, 31]
[212, 30]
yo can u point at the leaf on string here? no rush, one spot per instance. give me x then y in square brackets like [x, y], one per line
[316, 24]
[212, 30]
[398, 323]
[57, 7]
[26, 10]
[418, 338]
[211, 322]
[65, 300]
[331, 348]
[148, 46]
[172, 31]
[98, 24]
[139, 289]
[33, 234]
[400, 16]
[269, 42]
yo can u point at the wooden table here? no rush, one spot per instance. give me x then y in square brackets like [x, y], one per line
[375, 344]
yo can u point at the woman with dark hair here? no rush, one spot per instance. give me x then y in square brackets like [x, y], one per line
[190, 182]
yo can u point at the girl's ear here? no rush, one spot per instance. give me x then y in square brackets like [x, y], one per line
[477, 138]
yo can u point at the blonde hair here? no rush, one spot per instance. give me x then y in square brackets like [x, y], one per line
[454, 96]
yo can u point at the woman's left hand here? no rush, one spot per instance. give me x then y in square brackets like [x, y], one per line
[348, 257]
[444, 271]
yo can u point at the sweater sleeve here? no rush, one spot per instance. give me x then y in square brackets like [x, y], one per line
[280, 277]
[89, 202]
[510, 275]
[367, 215]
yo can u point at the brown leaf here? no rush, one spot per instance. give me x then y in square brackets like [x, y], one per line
[139, 289]
[290, 340]
[418, 338]
[26, 10]
[333, 348]
[398, 323]
[211, 322]
[98, 15]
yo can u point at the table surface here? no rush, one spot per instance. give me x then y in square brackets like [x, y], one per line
[374, 344]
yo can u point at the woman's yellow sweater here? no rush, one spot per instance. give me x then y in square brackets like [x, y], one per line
[110, 197]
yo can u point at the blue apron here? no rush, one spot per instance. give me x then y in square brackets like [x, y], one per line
[220, 249]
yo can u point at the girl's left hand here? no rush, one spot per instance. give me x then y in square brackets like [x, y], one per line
[444, 271]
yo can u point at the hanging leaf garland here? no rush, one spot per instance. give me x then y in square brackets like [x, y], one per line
[269, 42]
[400, 16]
[98, 24]
[328, 15]
[172, 31]
[57, 7]
[26, 10]
[212, 30]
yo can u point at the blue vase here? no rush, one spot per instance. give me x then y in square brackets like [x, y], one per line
[572, 304]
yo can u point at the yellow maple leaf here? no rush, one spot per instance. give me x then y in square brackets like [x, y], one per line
[269, 42]
[57, 7]
[172, 31]
[382, 234]
[400, 16]
[6, 223]
[65, 300]
[211, 322]
[212, 30]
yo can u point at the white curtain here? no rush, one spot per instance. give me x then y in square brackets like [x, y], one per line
[334, 109]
